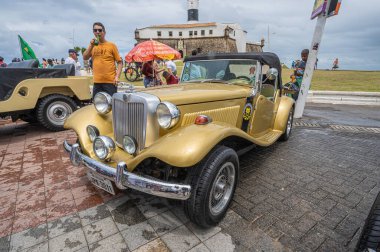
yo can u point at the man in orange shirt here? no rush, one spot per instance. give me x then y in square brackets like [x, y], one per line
[104, 54]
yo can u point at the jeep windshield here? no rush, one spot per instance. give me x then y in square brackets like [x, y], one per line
[230, 71]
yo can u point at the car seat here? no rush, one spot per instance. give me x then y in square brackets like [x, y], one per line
[70, 68]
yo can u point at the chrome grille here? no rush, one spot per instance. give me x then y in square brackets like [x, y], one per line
[129, 118]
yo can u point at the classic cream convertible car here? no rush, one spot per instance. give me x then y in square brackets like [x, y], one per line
[183, 141]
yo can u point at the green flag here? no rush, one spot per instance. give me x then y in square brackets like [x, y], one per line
[26, 50]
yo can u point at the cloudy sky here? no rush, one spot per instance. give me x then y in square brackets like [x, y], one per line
[51, 27]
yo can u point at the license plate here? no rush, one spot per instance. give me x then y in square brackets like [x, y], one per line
[101, 182]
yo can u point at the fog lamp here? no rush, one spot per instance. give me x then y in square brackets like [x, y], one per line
[104, 147]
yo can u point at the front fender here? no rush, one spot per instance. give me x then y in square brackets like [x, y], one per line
[81, 118]
[281, 119]
[183, 147]
[190, 144]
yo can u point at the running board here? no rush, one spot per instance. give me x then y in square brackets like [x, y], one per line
[269, 138]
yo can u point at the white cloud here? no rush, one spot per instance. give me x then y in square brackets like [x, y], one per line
[353, 36]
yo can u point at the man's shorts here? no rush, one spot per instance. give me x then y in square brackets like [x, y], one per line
[109, 88]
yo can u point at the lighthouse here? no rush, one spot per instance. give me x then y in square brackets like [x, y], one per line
[192, 11]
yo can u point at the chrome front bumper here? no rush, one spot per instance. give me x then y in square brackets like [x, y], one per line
[125, 179]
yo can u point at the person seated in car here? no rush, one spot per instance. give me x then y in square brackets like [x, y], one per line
[252, 74]
[170, 78]
[195, 71]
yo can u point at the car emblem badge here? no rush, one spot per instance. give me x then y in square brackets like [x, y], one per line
[247, 112]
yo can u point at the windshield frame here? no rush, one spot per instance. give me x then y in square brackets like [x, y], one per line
[250, 62]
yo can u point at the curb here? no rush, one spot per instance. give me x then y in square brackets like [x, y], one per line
[344, 97]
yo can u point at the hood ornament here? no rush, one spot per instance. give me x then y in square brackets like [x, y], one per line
[127, 97]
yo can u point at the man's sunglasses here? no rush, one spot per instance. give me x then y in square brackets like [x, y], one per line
[98, 30]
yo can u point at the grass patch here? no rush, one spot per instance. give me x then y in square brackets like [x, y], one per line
[365, 81]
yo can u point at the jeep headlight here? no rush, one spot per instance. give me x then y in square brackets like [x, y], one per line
[103, 102]
[167, 115]
[129, 144]
[104, 147]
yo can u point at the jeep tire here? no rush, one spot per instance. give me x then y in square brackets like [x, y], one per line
[53, 110]
[289, 126]
[370, 236]
[213, 182]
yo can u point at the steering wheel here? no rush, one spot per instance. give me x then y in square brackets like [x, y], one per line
[243, 77]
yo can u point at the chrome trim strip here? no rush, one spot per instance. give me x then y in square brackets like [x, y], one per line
[124, 179]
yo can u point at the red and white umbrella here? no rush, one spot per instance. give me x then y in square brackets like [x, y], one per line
[151, 50]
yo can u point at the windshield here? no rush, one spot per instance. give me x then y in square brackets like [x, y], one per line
[224, 71]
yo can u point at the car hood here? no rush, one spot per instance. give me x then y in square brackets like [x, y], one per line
[198, 93]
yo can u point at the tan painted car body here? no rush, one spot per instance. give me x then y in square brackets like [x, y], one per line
[27, 93]
[186, 144]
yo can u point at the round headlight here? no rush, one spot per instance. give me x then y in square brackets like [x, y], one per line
[104, 147]
[129, 144]
[167, 115]
[103, 102]
[92, 132]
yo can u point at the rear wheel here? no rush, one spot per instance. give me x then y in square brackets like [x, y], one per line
[53, 110]
[370, 237]
[213, 182]
[130, 74]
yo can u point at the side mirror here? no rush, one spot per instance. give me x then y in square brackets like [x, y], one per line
[272, 74]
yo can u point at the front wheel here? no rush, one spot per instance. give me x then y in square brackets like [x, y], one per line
[213, 183]
[53, 110]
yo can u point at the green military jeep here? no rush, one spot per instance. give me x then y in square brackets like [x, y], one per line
[47, 96]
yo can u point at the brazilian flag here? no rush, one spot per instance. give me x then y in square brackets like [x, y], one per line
[26, 51]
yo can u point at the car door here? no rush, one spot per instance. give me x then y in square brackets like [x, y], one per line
[263, 114]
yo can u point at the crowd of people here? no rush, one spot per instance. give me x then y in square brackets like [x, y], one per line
[101, 55]
[49, 63]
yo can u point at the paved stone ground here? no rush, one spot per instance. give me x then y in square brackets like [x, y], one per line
[311, 193]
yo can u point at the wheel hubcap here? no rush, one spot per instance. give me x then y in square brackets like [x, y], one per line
[221, 190]
[57, 112]
[289, 124]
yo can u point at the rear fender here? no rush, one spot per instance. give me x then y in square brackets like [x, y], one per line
[284, 108]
